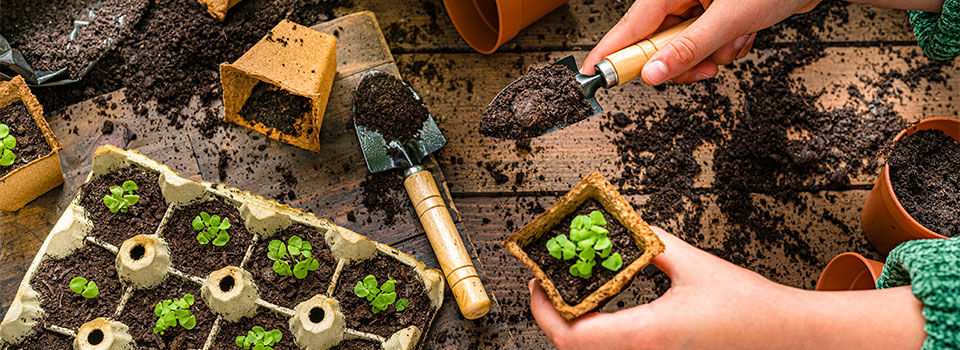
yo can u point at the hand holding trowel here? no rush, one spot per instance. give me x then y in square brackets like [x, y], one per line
[404, 147]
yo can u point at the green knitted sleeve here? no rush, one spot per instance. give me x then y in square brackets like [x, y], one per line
[932, 268]
[938, 33]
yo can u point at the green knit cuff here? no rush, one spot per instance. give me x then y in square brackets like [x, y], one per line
[938, 33]
[932, 268]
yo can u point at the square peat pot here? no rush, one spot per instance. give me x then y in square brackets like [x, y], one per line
[29, 181]
[592, 187]
[281, 85]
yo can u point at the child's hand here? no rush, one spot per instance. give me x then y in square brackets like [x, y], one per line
[723, 33]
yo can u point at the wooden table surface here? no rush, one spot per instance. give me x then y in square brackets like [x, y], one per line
[861, 45]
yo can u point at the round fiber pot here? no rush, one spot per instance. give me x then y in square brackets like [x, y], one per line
[884, 220]
[850, 271]
[487, 24]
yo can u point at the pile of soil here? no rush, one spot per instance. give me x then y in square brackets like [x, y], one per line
[226, 338]
[384, 192]
[384, 323]
[574, 289]
[925, 176]
[545, 97]
[60, 304]
[45, 339]
[31, 145]
[288, 291]
[276, 108]
[141, 218]
[388, 106]
[138, 315]
[190, 256]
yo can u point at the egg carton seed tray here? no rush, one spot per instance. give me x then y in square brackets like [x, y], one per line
[146, 265]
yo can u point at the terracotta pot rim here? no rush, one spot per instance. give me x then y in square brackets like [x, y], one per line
[868, 265]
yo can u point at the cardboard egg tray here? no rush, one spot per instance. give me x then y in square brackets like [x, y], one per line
[152, 265]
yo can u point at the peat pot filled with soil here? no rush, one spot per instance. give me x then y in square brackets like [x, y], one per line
[917, 195]
[586, 247]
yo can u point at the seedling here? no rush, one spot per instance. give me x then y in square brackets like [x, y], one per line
[211, 229]
[588, 240]
[173, 311]
[381, 297]
[7, 143]
[86, 289]
[297, 252]
[121, 198]
[259, 338]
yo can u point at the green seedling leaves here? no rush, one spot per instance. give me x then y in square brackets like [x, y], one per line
[212, 229]
[171, 312]
[382, 296]
[7, 143]
[588, 240]
[86, 289]
[121, 198]
[259, 339]
[401, 304]
[597, 219]
[613, 263]
[297, 252]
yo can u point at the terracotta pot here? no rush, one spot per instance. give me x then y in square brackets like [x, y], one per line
[884, 220]
[850, 271]
[487, 24]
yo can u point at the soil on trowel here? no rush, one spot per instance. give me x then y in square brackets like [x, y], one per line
[358, 311]
[60, 304]
[386, 105]
[288, 291]
[574, 289]
[138, 315]
[276, 108]
[269, 320]
[925, 176]
[199, 260]
[31, 144]
[545, 97]
[141, 218]
[45, 339]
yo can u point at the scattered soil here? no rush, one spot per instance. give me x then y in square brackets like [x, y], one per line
[385, 192]
[276, 108]
[31, 145]
[357, 344]
[45, 339]
[574, 289]
[199, 260]
[545, 97]
[388, 106]
[226, 339]
[52, 282]
[409, 286]
[141, 218]
[925, 176]
[138, 315]
[289, 291]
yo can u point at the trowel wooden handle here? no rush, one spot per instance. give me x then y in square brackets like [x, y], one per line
[629, 61]
[457, 268]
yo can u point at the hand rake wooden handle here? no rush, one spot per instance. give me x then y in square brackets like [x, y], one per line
[629, 61]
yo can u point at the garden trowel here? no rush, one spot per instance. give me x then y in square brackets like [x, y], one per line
[381, 155]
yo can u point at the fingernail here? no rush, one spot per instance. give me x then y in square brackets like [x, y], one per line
[700, 76]
[740, 42]
[655, 71]
[530, 286]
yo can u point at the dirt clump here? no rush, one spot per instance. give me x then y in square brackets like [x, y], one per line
[386, 105]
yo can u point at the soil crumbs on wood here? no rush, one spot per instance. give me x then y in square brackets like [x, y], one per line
[45, 339]
[288, 291]
[141, 218]
[276, 108]
[384, 192]
[31, 145]
[52, 282]
[138, 315]
[269, 320]
[358, 311]
[386, 105]
[574, 289]
[199, 260]
[545, 97]
[357, 344]
[925, 176]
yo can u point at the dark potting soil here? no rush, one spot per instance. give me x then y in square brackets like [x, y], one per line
[357, 310]
[288, 291]
[141, 218]
[31, 145]
[45, 339]
[357, 344]
[199, 260]
[386, 105]
[574, 289]
[925, 176]
[138, 315]
[384, 192]
[52, 282]
[276, 108]
[226, 339]
[545, 97]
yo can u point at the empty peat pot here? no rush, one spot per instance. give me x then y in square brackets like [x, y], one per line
[103, 334]
[885, 222]
[487, 24]
[850, 271]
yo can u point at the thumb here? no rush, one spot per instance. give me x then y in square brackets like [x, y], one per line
[705, 36]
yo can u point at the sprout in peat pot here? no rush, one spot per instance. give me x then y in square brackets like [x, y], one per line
[211, 228]
[381, 297]
[7, 143]
[588, 239]
[259, 339]
[121, 198]
[172, 311]
[86, 289]
[295, 247]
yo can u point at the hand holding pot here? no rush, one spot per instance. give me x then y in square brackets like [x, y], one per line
[713, 304]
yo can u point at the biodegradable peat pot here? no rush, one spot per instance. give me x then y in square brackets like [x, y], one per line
[301, 63]
[218, 8]
[29, 181]
[850, 271]
[885, 222]
[595, 187]
[487, 24]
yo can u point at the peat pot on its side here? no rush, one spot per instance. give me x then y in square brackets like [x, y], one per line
[849, 271]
